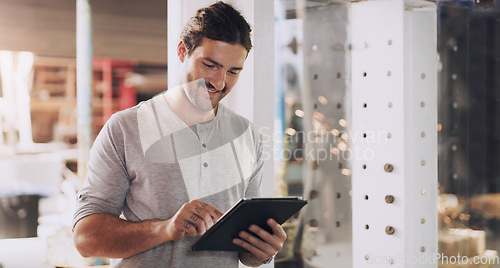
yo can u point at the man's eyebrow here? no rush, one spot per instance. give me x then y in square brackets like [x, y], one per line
[221, 66]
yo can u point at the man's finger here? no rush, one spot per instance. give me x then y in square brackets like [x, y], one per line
[264, 246]
[252, 249]
[198, 221]
[277, 229]
[203, 215]
[216, 214]
[267, 241]
[192, 229]
[212, 211]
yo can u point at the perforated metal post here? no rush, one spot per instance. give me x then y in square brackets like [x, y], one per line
[327, 225]
[394, 118]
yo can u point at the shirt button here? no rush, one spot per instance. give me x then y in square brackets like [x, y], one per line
[205, 164]
[204, 145]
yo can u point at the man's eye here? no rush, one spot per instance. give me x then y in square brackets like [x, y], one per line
[233, 72]
[209, 65]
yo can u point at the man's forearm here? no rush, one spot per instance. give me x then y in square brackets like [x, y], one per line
[102, 235]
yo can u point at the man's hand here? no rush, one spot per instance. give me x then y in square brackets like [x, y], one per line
[193, 218]
[263, 247]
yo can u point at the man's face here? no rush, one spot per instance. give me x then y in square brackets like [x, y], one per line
[215, 66]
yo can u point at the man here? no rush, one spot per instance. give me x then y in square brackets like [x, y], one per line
[160, 173]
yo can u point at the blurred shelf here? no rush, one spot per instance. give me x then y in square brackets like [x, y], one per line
[53, 97]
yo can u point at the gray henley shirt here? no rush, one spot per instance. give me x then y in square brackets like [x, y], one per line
[146, 163]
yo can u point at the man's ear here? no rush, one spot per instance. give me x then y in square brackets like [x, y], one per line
[181, 50]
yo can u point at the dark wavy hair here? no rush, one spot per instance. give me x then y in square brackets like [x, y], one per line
[219, 21]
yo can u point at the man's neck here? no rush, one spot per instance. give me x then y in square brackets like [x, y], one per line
[182, 107]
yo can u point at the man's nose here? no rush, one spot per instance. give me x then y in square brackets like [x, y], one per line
[219, 80]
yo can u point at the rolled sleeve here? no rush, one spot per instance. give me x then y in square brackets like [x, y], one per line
[107, 183]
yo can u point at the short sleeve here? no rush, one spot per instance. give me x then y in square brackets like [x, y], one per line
[107, 183]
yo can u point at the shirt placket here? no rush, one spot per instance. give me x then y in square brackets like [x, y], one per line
[204, 156]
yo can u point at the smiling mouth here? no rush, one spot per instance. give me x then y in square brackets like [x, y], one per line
[212, 91]
[209, 87]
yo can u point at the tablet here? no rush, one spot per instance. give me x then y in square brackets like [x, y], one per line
[245, 212]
